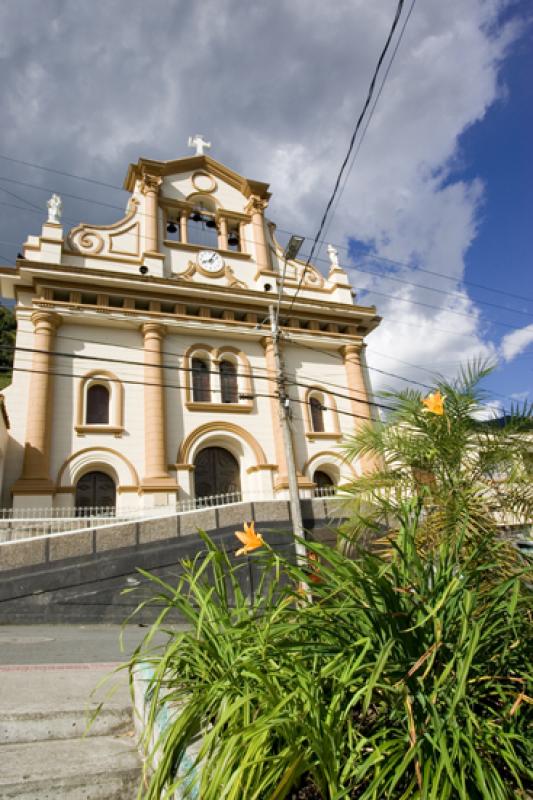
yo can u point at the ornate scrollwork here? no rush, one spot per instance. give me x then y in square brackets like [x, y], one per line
[313, 277]
[232, 280]
[189, 272]
[85, 241]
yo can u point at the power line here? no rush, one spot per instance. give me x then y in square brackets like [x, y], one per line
[127, 381]
[181, 354]
[178, 354]
[246, 374]
[323, 385]
[21, 199]
[390, 374]
[357, 267]
[458, 294]
[60, 172]
[37, 209]
[443, 308]
[371, 114]
[344, 164]
[382, 294]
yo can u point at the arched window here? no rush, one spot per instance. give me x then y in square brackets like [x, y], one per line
[201, 225]
[317, 417]
[97, 410]
[324, 484]
[201, 389]
[95, 491]
[234, 238]
[228, 382]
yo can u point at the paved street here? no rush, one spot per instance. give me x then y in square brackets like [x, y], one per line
[67, 644]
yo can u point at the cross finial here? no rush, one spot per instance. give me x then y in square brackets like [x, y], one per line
[200, 143]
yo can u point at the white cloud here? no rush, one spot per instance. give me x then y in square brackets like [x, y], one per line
[492, 410]
[516, 342]
[277, 87]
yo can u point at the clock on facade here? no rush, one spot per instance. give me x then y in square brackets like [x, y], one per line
[210, 261]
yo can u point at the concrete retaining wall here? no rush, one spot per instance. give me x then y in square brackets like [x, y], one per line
[81, 578]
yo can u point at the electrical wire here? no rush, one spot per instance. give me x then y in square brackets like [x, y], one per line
[392, 374]
[60, 172]
[57, 374]
[390, 296]
[357, 267]
[371, 114]
[347, 393]
[358, 124]
[302, 376]
[324, 386]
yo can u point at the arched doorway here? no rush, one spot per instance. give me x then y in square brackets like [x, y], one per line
[95, 490]
[324, 484]
[216, 473]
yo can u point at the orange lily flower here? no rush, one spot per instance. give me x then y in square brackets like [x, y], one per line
[314, 576]
[250, 539]
[434, 403]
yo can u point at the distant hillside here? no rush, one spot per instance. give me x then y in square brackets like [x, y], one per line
[8, 326]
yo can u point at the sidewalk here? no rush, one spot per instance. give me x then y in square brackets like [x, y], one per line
[68, 644]
[49, 674]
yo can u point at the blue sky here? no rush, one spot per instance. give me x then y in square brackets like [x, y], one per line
[499, 150]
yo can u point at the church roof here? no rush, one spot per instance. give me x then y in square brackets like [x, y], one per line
[147, 166]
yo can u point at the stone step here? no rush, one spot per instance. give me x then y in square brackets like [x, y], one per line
[32, 726]
[56, 703]
[98, 768]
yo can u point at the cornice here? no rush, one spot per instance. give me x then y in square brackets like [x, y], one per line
[191, 292]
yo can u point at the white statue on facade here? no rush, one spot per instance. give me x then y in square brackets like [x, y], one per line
[55, 207]
[333, 254]
[200, 143]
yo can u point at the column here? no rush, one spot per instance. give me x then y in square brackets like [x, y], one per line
[156, 475]
[36, 467]
[184, 216]
[256, 208]
[150, 189]
[355, 381]
[223, 233]
[243, 244]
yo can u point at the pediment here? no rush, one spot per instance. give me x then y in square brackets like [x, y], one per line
[146, 166]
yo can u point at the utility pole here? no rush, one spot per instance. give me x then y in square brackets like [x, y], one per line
[284, 412]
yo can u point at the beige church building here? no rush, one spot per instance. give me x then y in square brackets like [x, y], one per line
[144, 370]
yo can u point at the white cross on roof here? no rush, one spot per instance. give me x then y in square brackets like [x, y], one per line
[200, 143]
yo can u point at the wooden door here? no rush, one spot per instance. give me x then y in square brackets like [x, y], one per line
[217, 472]
[95, 490]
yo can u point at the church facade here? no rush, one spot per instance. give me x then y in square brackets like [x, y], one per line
[144, 369]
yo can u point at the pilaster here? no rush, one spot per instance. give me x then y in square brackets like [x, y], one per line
[355, 382]
[156, 477]
[256, 208]
[150, 189]
[35, 478]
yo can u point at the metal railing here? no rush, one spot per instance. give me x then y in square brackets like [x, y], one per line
[19, 525]
[325, 491]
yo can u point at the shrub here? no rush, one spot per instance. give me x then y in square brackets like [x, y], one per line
[404, 677]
